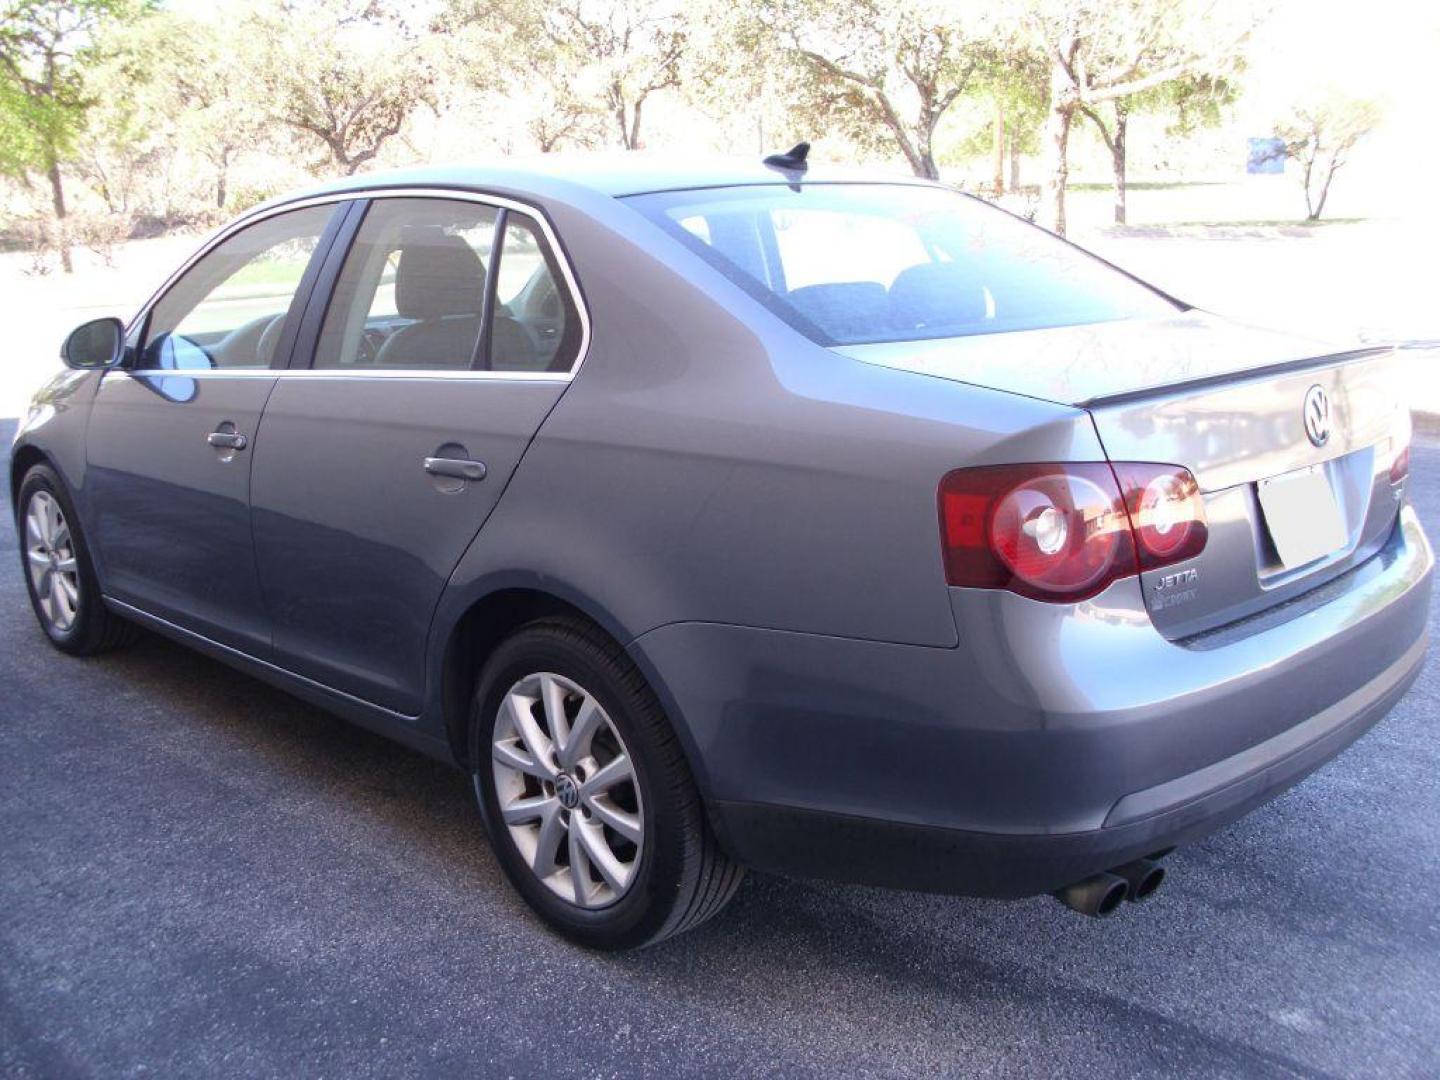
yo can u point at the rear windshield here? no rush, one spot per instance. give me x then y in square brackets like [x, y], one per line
[851, 264]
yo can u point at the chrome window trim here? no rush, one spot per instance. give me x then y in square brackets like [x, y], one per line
[562, 259]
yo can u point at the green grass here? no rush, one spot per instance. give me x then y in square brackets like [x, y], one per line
[1151, 185]
[270, 271]
[1256, 223]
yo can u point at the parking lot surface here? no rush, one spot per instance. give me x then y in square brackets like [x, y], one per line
[202, 876]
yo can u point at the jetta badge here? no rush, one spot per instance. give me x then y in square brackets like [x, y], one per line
[1317, 415]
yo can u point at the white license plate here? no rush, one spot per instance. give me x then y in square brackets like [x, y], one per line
[1302, 515]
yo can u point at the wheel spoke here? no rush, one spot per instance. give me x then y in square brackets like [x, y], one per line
[579, 870]
[38, 558]
[35, 525]
[61, 538]
[535, 740]
[59, 612]
[529, 809]
[623, 822]
[66, 566]
[552, 697]
[617, 771]
[547, 844]
[582, 731]
[52, 514]
[616, 875]
[509, 755]
[68, 591]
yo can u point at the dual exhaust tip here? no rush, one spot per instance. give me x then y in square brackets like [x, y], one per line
[1100, 895]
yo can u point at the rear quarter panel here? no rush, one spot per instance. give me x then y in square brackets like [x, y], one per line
[708, 464]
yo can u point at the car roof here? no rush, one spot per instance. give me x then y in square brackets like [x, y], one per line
[606, 174]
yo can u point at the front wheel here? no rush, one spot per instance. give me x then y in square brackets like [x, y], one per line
[587, 797]
[59, 574]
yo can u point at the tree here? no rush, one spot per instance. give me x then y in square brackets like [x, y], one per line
[1320, 135]
[1017, 89]
[595, 56]
[885, 71]
[344, 76]
[1103, 51]
[1194, 100]
[208, 79]
[45, 46]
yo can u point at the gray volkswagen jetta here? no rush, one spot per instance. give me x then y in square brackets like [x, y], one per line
[744, 515]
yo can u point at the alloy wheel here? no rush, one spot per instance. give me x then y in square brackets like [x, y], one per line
[567, 790]
[50, 560]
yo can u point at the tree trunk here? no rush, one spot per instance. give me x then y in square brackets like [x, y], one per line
[1014, 164]
[926, 166]
[1064, 100]
[998, 145]
[1325, 182]
[1117, 158]
[221, 179]
[1310, 212]
[57, 198]
[635, 143]
[1057, 166]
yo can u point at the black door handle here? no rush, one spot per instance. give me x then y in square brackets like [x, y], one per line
[459, 468]
[227, 440]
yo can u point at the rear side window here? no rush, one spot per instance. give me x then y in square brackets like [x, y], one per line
[228, 309]
[444, 284]
[851, 264]
[536, 325]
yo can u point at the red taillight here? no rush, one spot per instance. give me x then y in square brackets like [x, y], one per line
[1167, 513]
[1065, 532]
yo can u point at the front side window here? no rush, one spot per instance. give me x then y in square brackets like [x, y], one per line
[423, 275]
[229, 308]
[851, 264]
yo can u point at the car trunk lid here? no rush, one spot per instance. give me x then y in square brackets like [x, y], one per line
[1286, 511]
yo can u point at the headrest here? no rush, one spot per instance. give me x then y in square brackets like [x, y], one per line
[844, 309]
[438, 275]
[936, 296]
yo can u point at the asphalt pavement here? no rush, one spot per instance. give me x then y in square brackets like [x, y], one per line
[200, 876]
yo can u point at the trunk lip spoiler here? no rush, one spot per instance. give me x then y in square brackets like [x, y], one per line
[1239, 375]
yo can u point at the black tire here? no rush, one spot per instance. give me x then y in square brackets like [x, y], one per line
[95, 628]
[683, 878]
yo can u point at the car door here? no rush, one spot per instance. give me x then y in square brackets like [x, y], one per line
[382, 459]
[173, 433]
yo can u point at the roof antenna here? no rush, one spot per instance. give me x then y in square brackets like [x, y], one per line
[793, 160]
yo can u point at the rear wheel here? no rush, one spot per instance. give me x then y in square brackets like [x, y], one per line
[587, 797]
[59, 574]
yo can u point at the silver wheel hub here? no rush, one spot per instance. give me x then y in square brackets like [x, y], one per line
[567, 790]
[50, 561]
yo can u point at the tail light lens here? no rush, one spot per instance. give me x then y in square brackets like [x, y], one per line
[1064, 532]
[1166, 511]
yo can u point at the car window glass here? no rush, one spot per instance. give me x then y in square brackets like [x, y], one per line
[849, 264]
[536, 325]
[412, 290]
[228, 309]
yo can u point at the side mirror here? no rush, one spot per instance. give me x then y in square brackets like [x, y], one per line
[96, 344]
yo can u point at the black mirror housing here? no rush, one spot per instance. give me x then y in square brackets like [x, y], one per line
[99, 343]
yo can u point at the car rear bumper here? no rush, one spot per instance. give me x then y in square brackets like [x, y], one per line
[1053, 743]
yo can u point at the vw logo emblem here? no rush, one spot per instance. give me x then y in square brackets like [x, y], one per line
[568, 791]
[1317, 415]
